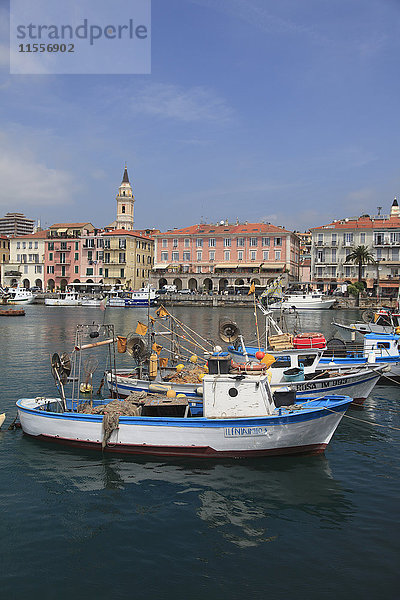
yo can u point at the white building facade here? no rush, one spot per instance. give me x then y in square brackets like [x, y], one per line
[26, 264]
[332, 243]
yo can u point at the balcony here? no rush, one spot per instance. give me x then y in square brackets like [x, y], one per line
[64, 262]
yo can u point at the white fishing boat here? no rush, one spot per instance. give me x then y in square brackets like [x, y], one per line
[300, 370]
[375, 348]
[125, 381]
[356, 380]
[67, 298]
[241, 418]
[239, 415]
[17, 295]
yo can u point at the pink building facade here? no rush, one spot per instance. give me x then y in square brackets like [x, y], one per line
[63, 254]
[216, 257]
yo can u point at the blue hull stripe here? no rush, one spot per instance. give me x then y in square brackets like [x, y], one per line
[338, 406]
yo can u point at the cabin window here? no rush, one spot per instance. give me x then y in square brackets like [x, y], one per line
[306, 360]
[383, 345]
[383, 320]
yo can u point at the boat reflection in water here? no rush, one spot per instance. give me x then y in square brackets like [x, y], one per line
[243, 503]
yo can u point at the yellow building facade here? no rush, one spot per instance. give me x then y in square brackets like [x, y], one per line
[128, 259]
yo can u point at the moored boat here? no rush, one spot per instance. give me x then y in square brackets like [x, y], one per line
[380, 321]
[12, 312]
[64, 299]
[17, 295]
[241, 418]
[304, 301]
[127, 298]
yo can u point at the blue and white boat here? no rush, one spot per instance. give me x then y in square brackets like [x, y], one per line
[240, 418]
[126, 298]
[377, 348]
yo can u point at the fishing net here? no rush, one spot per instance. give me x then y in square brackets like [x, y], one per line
[192, 375]
[112, 411]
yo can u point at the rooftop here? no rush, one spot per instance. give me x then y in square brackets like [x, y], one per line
[223, 227]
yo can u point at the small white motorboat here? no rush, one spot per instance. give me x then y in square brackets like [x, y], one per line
[304, 301]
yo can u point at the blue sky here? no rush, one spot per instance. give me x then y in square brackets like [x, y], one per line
[285, 111]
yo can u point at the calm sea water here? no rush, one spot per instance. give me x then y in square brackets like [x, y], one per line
[76, 524]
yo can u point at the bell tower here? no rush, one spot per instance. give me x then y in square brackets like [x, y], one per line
[125, 204]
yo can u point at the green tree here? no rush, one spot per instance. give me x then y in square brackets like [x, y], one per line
[361, 256]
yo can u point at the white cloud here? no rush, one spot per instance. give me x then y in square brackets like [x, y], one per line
[27, 180]
[174, 102]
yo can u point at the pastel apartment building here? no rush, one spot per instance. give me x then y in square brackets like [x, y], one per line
[26, 263]
[332, 243]
[215, 257]
[128, 258]
[63, 254]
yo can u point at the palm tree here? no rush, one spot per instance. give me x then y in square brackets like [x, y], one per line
[361, 256]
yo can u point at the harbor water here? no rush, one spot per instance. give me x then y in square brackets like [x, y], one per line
[79, 524]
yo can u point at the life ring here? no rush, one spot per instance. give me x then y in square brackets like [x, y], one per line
[252, 367]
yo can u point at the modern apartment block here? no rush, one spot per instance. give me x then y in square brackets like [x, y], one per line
[16, 224]
[26, 263]
[216, 257]
[332, 243]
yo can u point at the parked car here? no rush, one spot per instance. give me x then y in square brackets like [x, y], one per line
[185, 291]
[35, 288]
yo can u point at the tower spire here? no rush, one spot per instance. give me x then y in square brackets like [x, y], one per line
[125, 178]
[125, 204]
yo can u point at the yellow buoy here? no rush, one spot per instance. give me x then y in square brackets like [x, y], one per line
[205, 369]
[180, 368]
[200, 376]
[193, 358]
[181, 396]
[171, 394]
